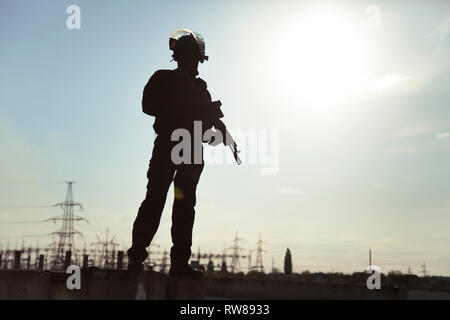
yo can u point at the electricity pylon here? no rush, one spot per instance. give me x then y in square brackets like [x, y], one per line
[235, 264]
[66, 233]
[106, 252]
[259, 261]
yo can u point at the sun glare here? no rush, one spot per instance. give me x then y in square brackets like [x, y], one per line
[325, 60]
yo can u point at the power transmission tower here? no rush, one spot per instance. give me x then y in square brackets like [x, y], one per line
[106, 255]
[273, 266]
[424, 270]
[235, 264]
[249, 260]
[259, 261]
[66, 233]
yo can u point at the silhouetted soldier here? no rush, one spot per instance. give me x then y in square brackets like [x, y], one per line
[176, 98]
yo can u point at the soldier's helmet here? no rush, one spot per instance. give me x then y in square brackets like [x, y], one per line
[186, 43]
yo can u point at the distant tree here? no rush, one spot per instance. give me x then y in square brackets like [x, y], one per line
[224, 267]
[288, 262]
[210, 266]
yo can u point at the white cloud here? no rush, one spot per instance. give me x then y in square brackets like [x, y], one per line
[442, 135]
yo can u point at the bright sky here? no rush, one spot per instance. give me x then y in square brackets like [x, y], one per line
[361, 107]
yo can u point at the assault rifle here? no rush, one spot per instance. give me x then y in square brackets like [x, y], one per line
[227, 139]
[211, 108]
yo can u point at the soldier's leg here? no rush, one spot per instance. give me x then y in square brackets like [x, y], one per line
[160, 175]
[185, 185]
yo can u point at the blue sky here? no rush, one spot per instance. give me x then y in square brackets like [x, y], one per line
[362, 115]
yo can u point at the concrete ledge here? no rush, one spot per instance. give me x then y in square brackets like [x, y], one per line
[24, 285]
[293, 290]
[96, 284]
[185, 289]
[428, 295]
[124, 285]
[99, 284]
[58, 288]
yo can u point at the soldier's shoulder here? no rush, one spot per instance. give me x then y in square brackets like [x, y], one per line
[202, 82]
[161, 77]
[163, 73]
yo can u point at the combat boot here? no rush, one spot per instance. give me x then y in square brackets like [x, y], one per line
[184, 271]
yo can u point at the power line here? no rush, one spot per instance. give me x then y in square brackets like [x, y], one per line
[29, 236]
[24, 206]
[22, 221]
[31, 182]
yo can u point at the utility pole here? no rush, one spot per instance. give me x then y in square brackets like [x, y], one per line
[28, 259]
[199, 256]
[36, 252]
[46, 258]
[7, 253]
[66, 233]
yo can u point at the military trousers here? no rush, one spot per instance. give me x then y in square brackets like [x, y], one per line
[161, 172]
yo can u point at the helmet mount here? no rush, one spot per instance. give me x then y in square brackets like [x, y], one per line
[186, 43]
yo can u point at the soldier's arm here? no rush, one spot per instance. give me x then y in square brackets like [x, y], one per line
[153, 98]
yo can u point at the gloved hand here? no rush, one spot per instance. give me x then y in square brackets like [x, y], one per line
[220, 133]
[214, 111]
[226, 137]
